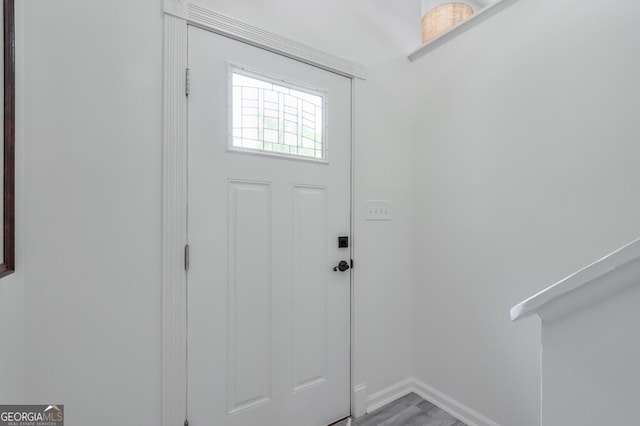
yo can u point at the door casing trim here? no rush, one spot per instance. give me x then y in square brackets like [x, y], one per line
[178, 14]
[174, 223]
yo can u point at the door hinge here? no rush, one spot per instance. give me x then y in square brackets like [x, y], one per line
[186, 422]
[186, 257]
[187, 82]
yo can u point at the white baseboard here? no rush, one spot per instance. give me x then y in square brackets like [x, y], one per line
[389, 394]
[359, 400]
[451, 406]
[437, 398]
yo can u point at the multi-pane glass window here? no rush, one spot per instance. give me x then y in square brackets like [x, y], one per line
[275, 117]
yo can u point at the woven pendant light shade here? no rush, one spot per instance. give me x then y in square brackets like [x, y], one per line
[441, 18]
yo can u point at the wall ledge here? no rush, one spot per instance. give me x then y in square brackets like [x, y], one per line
[586, 287]
[463, 26]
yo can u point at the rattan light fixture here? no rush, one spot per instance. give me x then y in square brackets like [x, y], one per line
[438, 18]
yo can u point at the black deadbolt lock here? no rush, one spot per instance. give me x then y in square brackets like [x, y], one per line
[343, 242]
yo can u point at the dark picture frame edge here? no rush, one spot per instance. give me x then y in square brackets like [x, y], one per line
[8, 262]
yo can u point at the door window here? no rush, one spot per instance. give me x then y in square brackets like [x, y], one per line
[276, 117]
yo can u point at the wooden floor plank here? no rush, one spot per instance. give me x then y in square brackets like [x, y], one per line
[410, 410]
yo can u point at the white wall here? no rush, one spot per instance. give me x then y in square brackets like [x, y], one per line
[364, 31]
[589, 362]
[383, 273]
[525, 170]
[91, 215]
[11, 335]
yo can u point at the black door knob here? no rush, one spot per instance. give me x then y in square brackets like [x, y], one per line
[342, 266]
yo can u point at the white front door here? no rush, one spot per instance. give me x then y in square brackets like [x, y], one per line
[269, 163]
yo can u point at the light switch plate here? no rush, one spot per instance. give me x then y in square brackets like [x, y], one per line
[378, 210]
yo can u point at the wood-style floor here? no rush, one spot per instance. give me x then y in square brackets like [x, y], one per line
[410, 410]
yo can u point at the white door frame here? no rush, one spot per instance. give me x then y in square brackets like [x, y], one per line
[177, 15]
